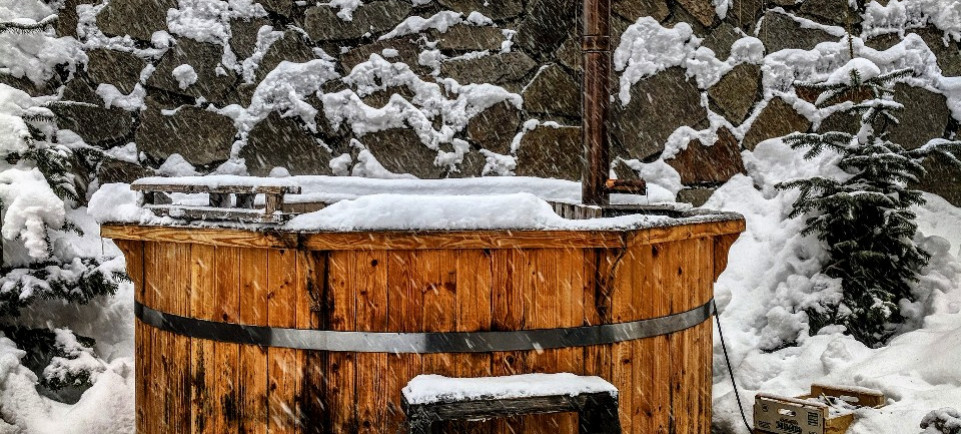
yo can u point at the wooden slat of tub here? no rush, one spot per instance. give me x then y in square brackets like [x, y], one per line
[473, 313]
[643, 350]
[623, 309]
[203, 375]
[663, 273]
[171, 294]
[404, 302]
[684, 257]
[570, 307]
[223, 371]
[370, 279]
[598, 266]
[253, 366]
[153, 379]
[153, 404]
[439, 271]
[341, 302]
[544, 312]
[313, 402]
[436, 272]
[508, 312]
[705, 351]
[133, 252]
[283, 377]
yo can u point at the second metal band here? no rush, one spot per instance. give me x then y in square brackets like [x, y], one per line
[423, 343]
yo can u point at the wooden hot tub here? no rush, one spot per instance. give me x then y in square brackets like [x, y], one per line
[197, 371]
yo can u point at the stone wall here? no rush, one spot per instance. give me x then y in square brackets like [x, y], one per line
[695, 118]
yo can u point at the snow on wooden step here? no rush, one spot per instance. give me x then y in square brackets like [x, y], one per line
[427, 389]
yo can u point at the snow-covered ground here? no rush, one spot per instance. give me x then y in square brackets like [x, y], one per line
[769, 280]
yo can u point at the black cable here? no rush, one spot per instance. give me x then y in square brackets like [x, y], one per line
[730, 369]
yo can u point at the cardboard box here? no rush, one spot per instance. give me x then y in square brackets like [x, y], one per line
[804, 415]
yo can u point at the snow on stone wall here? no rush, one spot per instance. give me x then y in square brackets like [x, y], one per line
[454, 88]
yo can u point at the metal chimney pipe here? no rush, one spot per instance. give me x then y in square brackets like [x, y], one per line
[595, 107]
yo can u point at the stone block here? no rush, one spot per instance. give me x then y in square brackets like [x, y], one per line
[97, 126]
[840, 122]
[702, 10]
[495, 127]
[734, 95]
[68, 19]
[291, 47]
[79, 89]
[200, 136]
[545, 26]
[47, 87]
[925, 116]
[695, 196]
[943, 178]
[496, 68]
[776, 120]
[111, 170]
[205, 59]
[115, 67]
[468, 38]
[243, 35]
[550, 152]
[720, 39]
[569, 54]
[659, 105]
[284, 142]
[471, 166]
[631, 10]
[494, 9]
[399, 150]
[744, 14]
[883, 42]
[553, 92]
[139, 19]
[323, 24]
[286, 8]
[831, 12]
[700, 164]
[779, 31]
[948, 54]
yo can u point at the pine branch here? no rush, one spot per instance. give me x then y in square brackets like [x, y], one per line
[24, 28]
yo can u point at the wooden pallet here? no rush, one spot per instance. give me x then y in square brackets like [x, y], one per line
[801, 415]
[226, 202]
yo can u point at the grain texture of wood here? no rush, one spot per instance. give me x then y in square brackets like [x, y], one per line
[283, 376]
[238, 277]
[253, 367]
[370, 280]
[342, 299]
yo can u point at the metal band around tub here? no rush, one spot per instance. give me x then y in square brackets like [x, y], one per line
[423, 343]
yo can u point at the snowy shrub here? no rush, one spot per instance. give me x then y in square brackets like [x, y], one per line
[943, 421]
[39, 190]
[864, 217]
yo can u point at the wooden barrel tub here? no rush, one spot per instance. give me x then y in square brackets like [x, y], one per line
[197, 371]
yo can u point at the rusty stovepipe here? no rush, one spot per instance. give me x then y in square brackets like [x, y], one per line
[596, 101]
[596, 49]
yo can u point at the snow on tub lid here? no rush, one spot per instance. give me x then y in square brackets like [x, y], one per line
[427, 389]
[366, 204]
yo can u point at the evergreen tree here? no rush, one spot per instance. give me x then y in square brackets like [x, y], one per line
[39, 188]
[864, 218]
